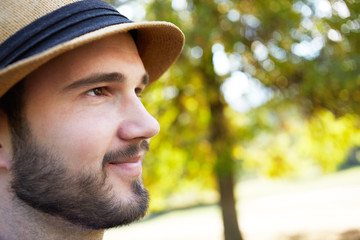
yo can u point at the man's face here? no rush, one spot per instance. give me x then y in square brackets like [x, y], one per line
[78, 151]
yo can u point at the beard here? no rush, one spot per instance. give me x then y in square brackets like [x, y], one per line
[41, 180]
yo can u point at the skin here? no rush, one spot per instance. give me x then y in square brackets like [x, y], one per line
[84, 105]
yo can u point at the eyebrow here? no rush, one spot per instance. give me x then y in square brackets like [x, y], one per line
[104, 78]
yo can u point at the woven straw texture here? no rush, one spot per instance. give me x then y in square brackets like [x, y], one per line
[16, 14]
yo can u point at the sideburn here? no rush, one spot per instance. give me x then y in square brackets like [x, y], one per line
[12, 103]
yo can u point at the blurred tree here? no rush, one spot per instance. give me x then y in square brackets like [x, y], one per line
[199, 27]
[301, 55]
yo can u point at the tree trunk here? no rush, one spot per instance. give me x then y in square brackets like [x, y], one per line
[224, 168]
[228, 208]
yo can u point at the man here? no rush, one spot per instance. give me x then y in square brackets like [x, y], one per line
[73, 131]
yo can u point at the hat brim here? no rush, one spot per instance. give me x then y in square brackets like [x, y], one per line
[159, 45]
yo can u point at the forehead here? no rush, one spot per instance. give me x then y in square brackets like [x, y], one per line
[117, 53]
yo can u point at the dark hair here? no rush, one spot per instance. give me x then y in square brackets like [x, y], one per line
[134, 35]
[12, 104]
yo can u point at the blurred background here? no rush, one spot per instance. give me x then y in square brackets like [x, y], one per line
[260, 127]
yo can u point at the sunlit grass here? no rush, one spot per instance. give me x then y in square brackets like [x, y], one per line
[268, 210]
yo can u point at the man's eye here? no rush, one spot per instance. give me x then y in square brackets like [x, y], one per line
[96, 92]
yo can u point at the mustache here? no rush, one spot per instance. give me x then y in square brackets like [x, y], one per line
[131, 150]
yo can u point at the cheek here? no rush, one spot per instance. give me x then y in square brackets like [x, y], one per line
[82, 138]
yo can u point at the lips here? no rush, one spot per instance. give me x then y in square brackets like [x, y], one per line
[126, 160]
[129, 167]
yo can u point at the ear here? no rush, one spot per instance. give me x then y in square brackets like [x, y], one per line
[5, 142]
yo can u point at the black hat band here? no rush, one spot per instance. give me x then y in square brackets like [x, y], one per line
[59, 26]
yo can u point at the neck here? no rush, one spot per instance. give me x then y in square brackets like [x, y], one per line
[20, 221]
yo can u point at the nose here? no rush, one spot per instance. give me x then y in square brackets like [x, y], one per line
[137, 122]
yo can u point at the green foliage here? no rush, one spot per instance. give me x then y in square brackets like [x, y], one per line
[301, 146]
[311, 121]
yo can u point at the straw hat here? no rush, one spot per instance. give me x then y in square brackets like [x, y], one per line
[32, 32]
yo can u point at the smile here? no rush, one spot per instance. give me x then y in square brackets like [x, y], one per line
[130, 167]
